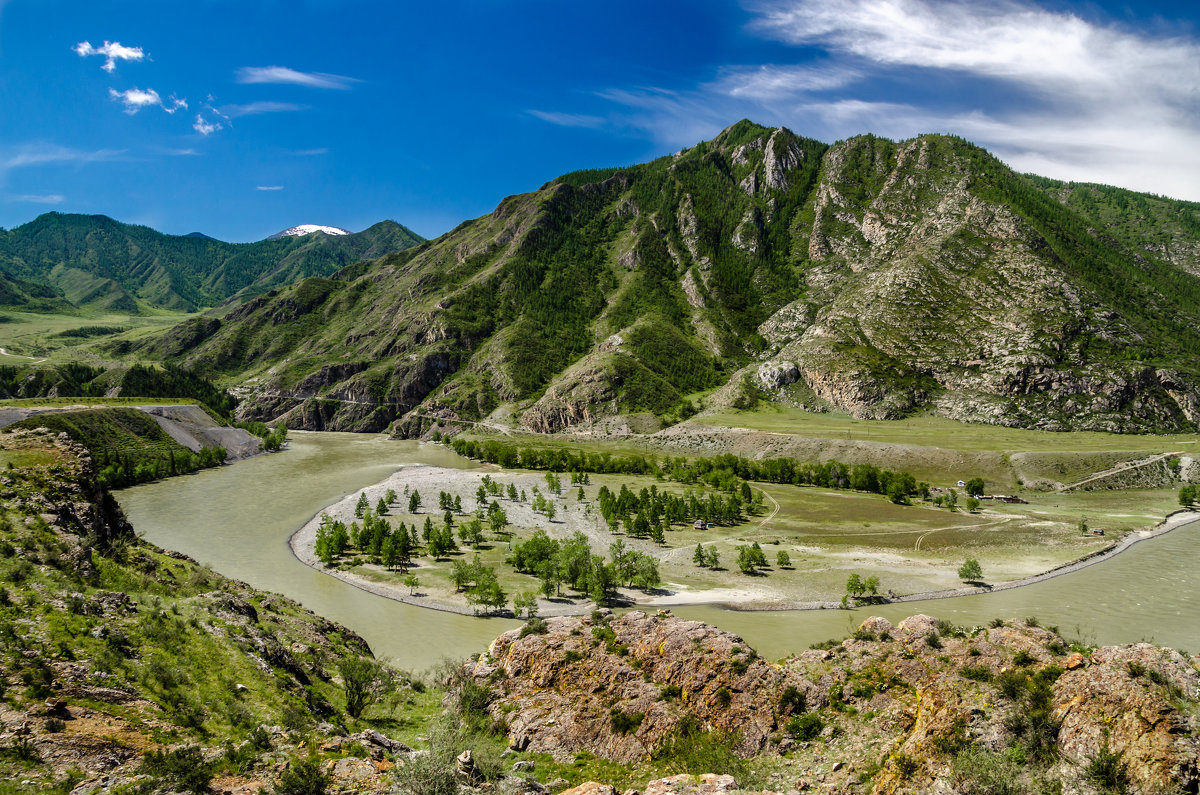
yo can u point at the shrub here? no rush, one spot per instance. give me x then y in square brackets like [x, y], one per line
[978, 673]
[183, 768]
[805, 727]
[670, 693]
[792, 701]
[624, 722]
[302, 776]
[1023, 657]
[1107, 771]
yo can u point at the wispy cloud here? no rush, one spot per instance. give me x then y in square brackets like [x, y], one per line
[256, 108]
[135, 99]
[1051, 92]
[567, 119]
[285, 76]
[204, 127]
[182, 152]
[112, 51]
[269, 187]
[47, 154]
[312, 152]
[47, 198]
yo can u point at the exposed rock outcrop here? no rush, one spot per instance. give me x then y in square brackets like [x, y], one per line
[901, 701]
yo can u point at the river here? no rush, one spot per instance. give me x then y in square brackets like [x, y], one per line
[238, 519]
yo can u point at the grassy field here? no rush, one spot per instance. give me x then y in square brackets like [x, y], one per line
[940, 432]
[31, 336]
[86, 401]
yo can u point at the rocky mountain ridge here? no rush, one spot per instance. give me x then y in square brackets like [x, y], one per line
[869, 277]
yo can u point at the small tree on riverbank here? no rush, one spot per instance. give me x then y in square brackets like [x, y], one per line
[970, 571]
[1188, 495]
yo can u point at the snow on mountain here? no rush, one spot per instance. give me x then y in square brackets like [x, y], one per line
[308, 229]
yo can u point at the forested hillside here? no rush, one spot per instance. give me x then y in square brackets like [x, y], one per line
[871, 277]
[91, 261]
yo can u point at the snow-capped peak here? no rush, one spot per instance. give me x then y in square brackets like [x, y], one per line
[308, 229]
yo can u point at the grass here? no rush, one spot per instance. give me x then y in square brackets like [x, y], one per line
[932, 431]
[32, 335]
[95, 401]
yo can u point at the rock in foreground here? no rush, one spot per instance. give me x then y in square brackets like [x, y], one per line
[922, 706]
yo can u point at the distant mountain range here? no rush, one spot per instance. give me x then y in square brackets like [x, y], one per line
[308, 229]
[871, 277]
[62, 262]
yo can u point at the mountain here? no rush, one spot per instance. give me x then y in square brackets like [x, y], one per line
[62, 261]
[871, 277]
[308, 229]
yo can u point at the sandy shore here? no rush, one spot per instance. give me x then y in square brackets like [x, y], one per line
[430, 480]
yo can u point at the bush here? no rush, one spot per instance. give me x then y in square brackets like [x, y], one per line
[624, 722]
[302, 776]
[978, 673]
[183, 768]
[804, 727]
[1107, 771]
[792, 701]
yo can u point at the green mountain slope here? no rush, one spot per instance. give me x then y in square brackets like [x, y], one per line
[872, 277]
[97, 263]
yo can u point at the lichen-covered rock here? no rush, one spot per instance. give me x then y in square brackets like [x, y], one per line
[620, 688]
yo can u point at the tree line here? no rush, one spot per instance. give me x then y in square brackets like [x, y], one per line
[725, 472]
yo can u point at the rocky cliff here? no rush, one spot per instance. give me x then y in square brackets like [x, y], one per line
[922, 706]
[872, 277]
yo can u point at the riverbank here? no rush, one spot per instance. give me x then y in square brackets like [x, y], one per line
[731, 591]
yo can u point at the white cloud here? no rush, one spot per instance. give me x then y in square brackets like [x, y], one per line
[48, 198]
[182, 152]
[135, 99]
[112, 51]
[567, 119]
[284, 75]
[205, 127]
[47, 154]
[269, 187]
[312, 152]
[1051, 92]
[255, 108]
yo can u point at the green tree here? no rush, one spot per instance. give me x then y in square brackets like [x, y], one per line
[525, 603]
[414, 501]
[1188, 495]
[364, 681]
[698, 557]
[381, 508]
[551, 512]
[361, 505]
[712, 558]
[783, 560]
[972, 504]
[975, 487]
[411, 582]
[970, 571]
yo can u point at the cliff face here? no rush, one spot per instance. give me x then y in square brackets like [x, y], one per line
[918, 707]
[871, 277]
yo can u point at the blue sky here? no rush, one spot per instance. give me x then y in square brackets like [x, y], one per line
[239, 119]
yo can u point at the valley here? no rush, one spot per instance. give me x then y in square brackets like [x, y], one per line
[797, 391]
